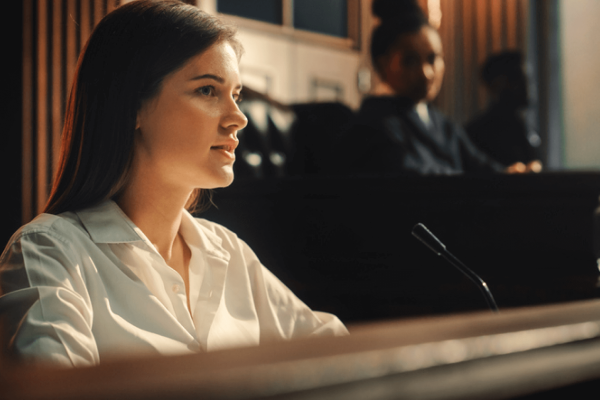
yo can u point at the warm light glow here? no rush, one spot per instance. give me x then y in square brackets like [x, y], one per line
[435, 13]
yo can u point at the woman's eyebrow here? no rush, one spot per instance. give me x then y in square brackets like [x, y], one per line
[208, 76]
[213, 77]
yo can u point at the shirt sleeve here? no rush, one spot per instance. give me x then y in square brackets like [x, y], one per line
[281, 314]
[44, 305]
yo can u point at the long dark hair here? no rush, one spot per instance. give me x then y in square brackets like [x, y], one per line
[398, 17]
[123, 64]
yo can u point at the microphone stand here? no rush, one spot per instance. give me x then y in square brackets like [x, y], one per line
[431, 241]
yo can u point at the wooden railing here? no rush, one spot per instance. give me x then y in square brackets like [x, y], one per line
[466, 356]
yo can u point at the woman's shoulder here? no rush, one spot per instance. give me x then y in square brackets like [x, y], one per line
[62, 227]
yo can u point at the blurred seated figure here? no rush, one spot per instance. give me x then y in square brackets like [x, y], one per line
[403, 131]
[266, 143]
[318, 131]
[288, 140]
[503, 130]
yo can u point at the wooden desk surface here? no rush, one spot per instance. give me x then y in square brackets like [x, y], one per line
[466, 356]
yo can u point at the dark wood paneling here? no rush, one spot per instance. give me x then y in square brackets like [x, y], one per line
[471, 30]
[54, 33]
[28, 109]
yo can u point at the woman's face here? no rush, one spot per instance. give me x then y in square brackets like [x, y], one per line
[187, 133]
[415, 67]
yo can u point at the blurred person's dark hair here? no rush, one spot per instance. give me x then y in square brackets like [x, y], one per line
[507, 63]
[398, 17]
[505, 77]
[122, 66]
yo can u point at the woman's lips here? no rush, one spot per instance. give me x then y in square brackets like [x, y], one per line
[226, 150]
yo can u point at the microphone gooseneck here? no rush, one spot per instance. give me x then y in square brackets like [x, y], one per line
[429, 239]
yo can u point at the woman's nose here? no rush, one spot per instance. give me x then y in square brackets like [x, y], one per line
[235, 118]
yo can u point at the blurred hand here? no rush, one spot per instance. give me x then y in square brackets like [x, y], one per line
[516, 168]
[534, 166]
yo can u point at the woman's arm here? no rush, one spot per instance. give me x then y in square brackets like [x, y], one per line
[281, 314]
[44, 306]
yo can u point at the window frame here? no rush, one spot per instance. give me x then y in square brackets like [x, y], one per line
[287, 29]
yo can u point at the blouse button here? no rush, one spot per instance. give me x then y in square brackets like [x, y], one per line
[175, 288]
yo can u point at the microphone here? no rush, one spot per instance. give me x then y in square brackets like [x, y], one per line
[429, 239]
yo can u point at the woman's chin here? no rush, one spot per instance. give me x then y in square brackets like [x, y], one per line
[221, 179]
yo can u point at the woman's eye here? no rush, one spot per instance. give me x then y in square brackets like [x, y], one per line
[237, 98]
[206, 90]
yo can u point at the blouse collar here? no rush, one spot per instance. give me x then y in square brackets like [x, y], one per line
[107, 223]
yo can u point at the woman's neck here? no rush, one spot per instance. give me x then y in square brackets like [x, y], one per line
[155, 208]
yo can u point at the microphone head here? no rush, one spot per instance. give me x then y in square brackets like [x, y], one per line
[424, 235]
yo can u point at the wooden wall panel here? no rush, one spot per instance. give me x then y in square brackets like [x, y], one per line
[85, 27]
[512, 21]
[41, 94]
[28, 109]
[54, 33]
[471, 30]
[497, 24]
[58, 91]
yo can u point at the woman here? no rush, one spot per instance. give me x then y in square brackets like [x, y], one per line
[116, 265]
[403, 132]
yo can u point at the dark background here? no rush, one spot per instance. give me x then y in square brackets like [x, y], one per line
[344, 245]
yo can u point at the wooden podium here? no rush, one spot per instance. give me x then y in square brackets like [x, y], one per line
[480, 355]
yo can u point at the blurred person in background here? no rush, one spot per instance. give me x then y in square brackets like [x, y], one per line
[403, 131]
[504, 130]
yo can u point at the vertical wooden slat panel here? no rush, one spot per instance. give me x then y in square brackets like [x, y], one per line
[57, 84]
[98, 11]
[480, 28]
[522, 11]
[452, 50]
[71, 50]
[511, 24]
[482, 41]
[111, 5]
[496, 24]
[468, 53]
[448, 50]
[28, 107]
[453, 14]
[53, 32]
[85, 23]
[42, 105]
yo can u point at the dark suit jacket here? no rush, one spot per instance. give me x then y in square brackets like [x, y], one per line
[504, 134]
[389, 137]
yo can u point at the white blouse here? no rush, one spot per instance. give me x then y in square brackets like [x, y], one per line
[83, 286]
